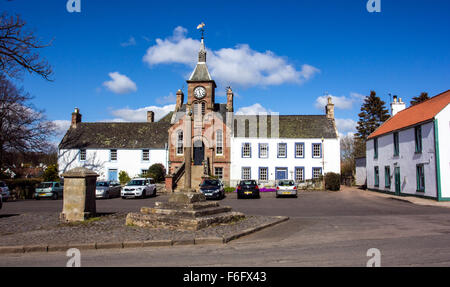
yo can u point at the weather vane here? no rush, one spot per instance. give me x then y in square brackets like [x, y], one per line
[202, 28]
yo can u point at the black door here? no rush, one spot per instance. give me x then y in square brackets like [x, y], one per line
[199, 153]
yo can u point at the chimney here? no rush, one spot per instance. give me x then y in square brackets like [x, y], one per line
[230, 96]
[329, 109]
[180, 100]
[397, 106]
[76, 118]
[150, 116]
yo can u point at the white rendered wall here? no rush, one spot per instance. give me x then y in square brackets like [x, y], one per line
[407, 161]
[331, 151]
[129, 160]
[443, 121]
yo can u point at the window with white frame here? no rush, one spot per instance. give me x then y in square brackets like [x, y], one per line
[246, 173]
[82, 154]
[263, 173]
[317, 172]
[113, 155]
[145, 155]
[317, 150]
[218, 171]
[299, 174]
[180, 143]
[246, 150]
[264, 150]
[282, 150]
[219, 142]
[144, 172]
[299, 150]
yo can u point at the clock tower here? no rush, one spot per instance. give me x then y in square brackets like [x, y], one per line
[201, 87]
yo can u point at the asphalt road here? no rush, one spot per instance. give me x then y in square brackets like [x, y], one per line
[325, 229]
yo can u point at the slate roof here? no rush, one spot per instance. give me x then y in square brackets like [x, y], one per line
[294, 126]
[200, 73]
[136, 135]
[413, 115]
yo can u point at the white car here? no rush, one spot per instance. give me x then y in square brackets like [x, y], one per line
[139, 188]
[4, 190]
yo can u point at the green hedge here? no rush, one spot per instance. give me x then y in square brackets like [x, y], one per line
[24, 187]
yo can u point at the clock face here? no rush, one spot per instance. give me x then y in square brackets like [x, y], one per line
[199, 92]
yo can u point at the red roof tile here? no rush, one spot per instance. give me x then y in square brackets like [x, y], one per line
[413, 115]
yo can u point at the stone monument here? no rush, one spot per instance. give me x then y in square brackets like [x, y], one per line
[79, 195]
[185, 211]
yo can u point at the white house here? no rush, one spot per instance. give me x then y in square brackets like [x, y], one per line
[409, 154]
[108, 148]
[304, 147]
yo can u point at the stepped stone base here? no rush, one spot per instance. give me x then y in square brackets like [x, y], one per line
[187, 211]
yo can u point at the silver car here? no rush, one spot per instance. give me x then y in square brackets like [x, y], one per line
[4, 190]
[286, 187]
[107, 189]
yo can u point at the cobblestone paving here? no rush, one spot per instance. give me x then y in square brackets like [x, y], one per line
[45, 228]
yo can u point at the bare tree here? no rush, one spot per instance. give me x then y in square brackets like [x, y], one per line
[347, 155]
[23, 128]
[18, 49]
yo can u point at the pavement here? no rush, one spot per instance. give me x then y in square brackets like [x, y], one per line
[324, 229]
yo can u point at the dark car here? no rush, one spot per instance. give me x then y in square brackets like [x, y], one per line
[107, 189]
[248, 188]
[212, 188]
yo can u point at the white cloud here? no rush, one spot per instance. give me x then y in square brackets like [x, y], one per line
[61, 126]
[131, 42]
[175, 49]
[120, 84]
[239, 65]
[345, 103]
[140, 114]
[346, 126]
[171, 98]
[254, 109]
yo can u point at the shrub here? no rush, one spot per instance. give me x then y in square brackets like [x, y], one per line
[157, 172]
[229, 189]
[51, 173]
[124, 177]
[332, 181]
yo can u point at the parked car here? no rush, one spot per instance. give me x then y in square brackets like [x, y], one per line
[286, 187]
[1, 201]
[212, 188]
[107, 189]
[4, 191]
[139, 188]
[52, 190]
[248, 188]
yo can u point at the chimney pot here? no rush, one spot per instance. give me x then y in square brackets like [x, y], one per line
[230, 97]
[76, 118]
[180, 100]
[150, 116]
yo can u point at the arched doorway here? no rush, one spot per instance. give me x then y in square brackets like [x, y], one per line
[199, 152]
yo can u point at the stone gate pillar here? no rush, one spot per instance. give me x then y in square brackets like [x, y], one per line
[79, 194]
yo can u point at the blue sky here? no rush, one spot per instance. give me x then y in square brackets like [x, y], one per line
[279, 56]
